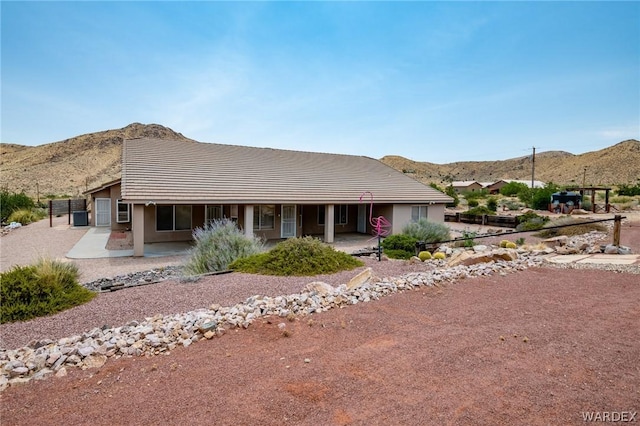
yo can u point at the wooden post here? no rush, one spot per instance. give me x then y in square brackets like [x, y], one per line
[616, 230]
[50, 213]
[69, 209]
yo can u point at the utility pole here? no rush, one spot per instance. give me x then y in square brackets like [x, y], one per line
[584, 177]
[533, 167]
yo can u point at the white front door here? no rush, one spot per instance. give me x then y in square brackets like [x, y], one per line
[362, 218]
[103, 211]
[288, 221]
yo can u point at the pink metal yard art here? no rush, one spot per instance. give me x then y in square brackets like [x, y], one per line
[380, 226]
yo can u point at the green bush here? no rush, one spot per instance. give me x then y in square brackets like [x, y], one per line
[27, 216]
[217, 245]
[306, 256]
[473, 203]
[492, 204]
[399, 246]
[539, 198]
[429, 232]
[479, 211]
[624, 189]
[10, 202]
[41, 289]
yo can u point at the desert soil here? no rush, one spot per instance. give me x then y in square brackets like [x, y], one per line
[541, 346]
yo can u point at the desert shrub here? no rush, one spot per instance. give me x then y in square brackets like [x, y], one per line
[27, 216]
[531, 222]
[570, 226]
[429, 232]
[511, 204]
[41, 289]
[439, 255]
[10, 202]
[492, 204]
[586, 204]
[474, 195]
[621, 199]
[479, 211]
[520, 241]
[399, 246]
[217, 245]
[424, 255]
[473, 203]
[468, 238]
[306, 256]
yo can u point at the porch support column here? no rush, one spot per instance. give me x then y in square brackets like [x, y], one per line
[137, 223]
[248, 220]
[329, 223]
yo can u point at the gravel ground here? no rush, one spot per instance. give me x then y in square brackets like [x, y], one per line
[23, 245]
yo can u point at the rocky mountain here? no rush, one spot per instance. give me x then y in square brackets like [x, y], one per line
[71, 166]
[617, 164]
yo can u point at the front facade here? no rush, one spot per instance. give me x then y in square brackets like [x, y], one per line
[170, 188]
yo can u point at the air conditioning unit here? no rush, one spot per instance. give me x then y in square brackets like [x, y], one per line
[81, 218]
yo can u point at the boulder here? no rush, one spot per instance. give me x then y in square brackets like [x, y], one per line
[485, 257]
[319, 287]
[560, 240]
[360, 279]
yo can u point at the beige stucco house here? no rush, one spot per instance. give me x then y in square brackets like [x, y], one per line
[168, 188]
[466, 185]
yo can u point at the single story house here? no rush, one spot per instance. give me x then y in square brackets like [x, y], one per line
[466, 185]
[168, 188]
[494, 188]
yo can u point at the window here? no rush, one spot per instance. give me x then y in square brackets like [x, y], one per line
[264, 217]
[123, 212]
[340, 216]
[418, 212]
[173, 218]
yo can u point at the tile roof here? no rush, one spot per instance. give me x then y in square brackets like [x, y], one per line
[195, 172]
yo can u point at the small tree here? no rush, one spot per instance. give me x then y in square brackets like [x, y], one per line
[540, 197]
[513, 188]
[10, 202]
[451, 192]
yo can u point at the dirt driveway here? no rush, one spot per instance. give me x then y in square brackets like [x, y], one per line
[541, 346]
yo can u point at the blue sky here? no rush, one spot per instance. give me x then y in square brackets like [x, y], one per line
[431, 81]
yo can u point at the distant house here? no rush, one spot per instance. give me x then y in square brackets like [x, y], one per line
[168, 188]
[466, 185]
[494, 188]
